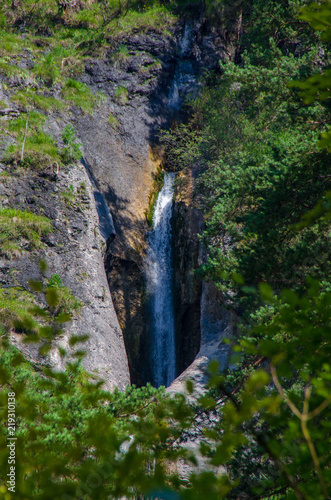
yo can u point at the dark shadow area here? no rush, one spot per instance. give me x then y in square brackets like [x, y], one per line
[106, 224]
[127, 287]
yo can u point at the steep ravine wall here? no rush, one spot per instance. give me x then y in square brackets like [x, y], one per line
[118, 142]
[187, 286]
[73, 250]
[122, 160]
[203, 322]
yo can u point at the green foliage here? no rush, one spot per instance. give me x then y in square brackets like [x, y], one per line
[264, 432]
[15, 305]
[55, 281]
[71, 151]
[69, 195]
[283, 423]
[66, 411]
[60, 298]
[61, 61]
[33, 147]
[113, 121]
[259, 149]
[31, 98]
[120, 56]
[21, 230]
[263, 427]
[121, 95]
[11, 43]
[9, 69]
[79, 94]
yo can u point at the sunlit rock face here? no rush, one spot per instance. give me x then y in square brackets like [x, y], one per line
[74, 250]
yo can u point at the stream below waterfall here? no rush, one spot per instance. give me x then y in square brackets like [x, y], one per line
[160, 288]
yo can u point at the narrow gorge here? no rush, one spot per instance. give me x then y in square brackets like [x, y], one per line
[125, 162]
[118, 184]
[165, 290]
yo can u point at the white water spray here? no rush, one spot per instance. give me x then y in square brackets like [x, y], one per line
[159, 283]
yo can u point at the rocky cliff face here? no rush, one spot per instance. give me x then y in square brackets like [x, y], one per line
[73, 250]
[219, 327]
[187, 223]
[143, 89]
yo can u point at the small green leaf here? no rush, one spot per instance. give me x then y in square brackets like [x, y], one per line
[38, 311]
[266, 292]
[4, 375]
[237, 278]
[79, 354]
[62, 352]
[44, 349]
[189, 386]
[36, 286]
[42, 266]
[63, 317]
[78, 338]
[52, 297]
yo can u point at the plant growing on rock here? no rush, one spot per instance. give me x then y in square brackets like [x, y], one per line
[20, 230]
[55, 281]
[121, 95]
[120, 56]
[113, 121]
[71, 151]
[15, 305]
[79, 94]
[33, 147]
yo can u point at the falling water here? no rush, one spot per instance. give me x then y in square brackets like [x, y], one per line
[159, 282]
[184, 81]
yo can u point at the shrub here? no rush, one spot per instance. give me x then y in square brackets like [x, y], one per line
[65, 301]
[38, 148]
[14, 307]
[72, 148]
[55, 281]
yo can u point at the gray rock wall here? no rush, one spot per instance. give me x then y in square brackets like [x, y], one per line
[73, 250]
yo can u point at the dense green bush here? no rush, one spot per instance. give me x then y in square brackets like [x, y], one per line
[257, 149]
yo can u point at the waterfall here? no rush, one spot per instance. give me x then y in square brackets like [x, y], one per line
[159, 287]
[184, 83]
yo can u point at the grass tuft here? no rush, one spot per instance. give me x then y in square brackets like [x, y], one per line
[15, 305]
[113, 121]
[20, 230]
[121, 95]
[32, 98]
[80, 95]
